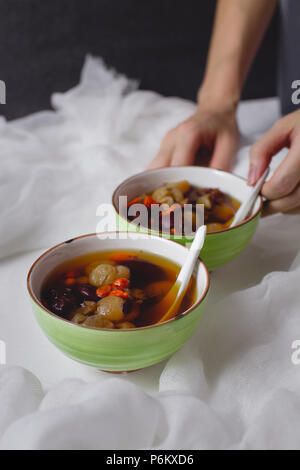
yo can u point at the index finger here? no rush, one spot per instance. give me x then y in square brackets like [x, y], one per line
[263, 150]
[286, 177]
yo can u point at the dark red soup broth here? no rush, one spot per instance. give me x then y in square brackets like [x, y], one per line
[115, 290]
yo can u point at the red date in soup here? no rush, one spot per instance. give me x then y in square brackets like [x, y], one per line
[119, 289]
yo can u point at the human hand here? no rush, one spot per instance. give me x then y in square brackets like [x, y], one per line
[215, 131]
[283, 189]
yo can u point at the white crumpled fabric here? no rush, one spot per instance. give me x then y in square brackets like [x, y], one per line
[233, 385]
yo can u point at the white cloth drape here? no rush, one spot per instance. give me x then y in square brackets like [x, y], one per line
[233, 385]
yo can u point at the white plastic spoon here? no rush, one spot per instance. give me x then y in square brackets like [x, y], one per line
[172, 300]
[244, 209]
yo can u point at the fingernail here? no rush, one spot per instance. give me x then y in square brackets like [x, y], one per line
[251, 176]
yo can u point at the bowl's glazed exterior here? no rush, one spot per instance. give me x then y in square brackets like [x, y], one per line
[120, 350]
[116, 350]
[219, 247]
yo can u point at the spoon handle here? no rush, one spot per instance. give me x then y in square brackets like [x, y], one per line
[247, 205]
[186, 271]
[177, 292]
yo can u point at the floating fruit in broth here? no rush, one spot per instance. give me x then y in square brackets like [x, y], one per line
[119, 289]
[219, 207]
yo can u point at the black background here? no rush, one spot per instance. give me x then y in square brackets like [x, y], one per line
[163, 43]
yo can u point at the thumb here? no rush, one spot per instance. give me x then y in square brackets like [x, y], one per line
[264, 149]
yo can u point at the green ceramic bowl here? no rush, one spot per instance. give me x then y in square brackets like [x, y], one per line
[116, 350]
[220, 247]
